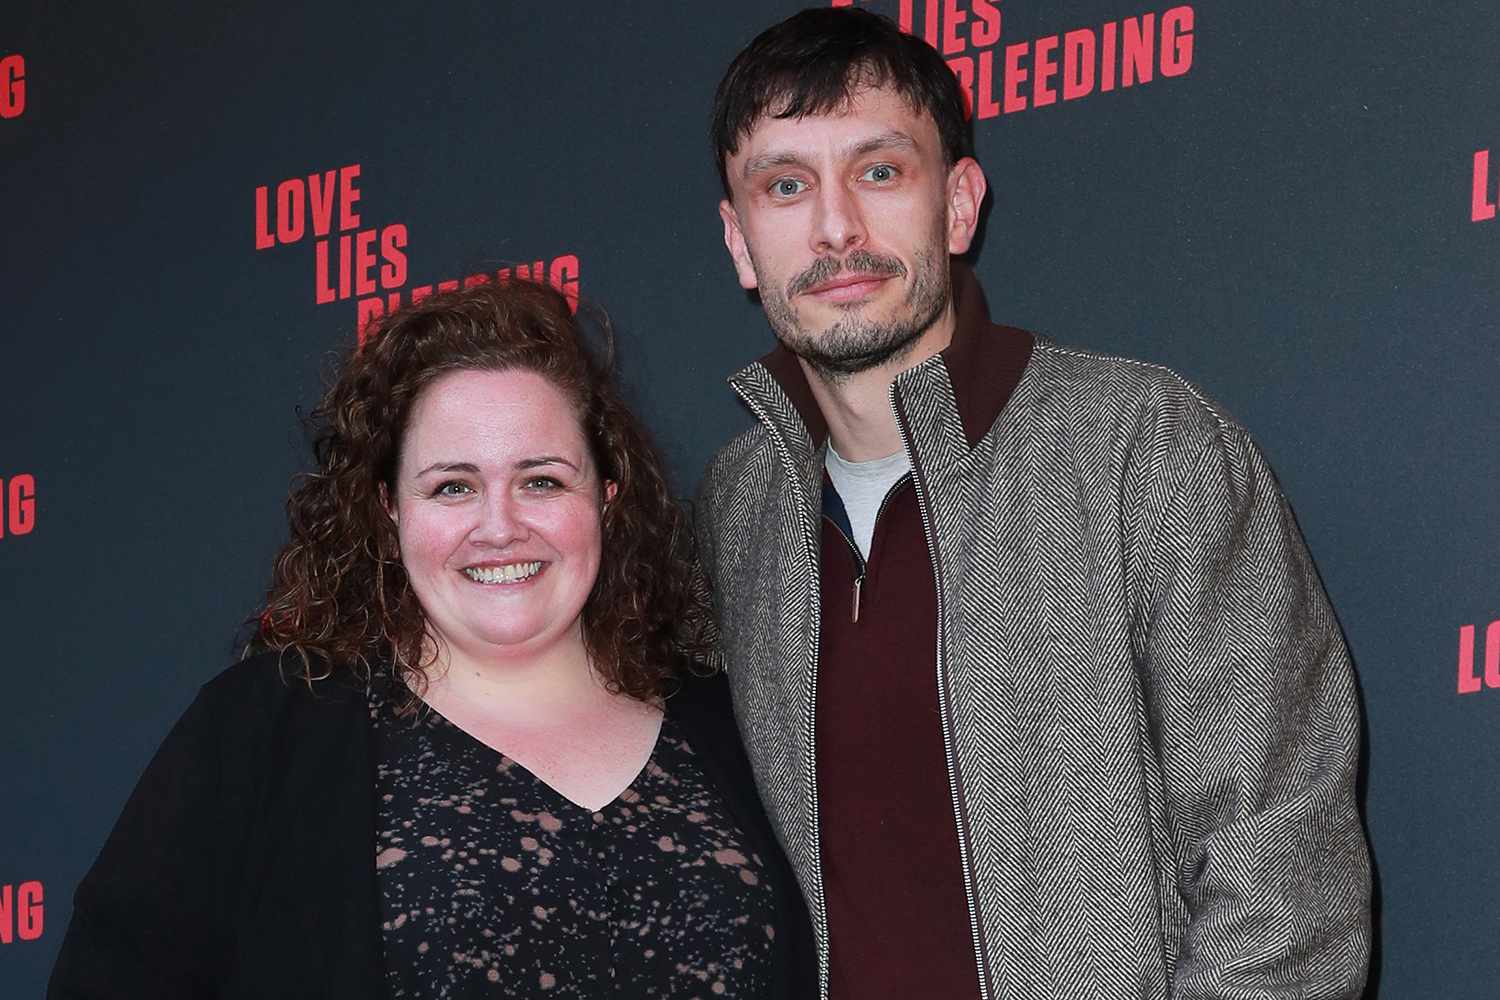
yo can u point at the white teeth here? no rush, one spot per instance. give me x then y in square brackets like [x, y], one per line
[511, 573]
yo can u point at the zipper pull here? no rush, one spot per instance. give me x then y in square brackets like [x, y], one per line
[858, 580]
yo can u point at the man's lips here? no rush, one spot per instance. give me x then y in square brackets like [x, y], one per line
[846, 287]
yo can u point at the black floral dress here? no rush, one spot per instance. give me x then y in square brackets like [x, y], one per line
[495, 885]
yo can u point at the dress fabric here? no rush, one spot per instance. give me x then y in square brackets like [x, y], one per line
[493, 884]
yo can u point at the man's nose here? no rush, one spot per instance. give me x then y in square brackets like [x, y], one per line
[839, 224]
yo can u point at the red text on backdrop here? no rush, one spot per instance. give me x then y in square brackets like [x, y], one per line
[1469, 681]
[17, 505]
[12, 86]
[1484, 195]
[21, 912]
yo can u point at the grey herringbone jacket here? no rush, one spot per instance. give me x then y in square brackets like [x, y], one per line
[1151, 716]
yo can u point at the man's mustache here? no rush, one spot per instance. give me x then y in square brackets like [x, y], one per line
[856, 262]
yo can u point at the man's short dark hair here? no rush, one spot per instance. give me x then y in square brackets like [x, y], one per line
[813, 63]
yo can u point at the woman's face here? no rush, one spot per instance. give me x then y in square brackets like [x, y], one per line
[498, 506]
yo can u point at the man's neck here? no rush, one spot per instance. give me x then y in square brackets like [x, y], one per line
[861, 425]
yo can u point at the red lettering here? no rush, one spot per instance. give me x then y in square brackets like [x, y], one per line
[447, 286]
[21, 505]
[963, 68]
[905, 16]
[1045, 65]
[323, 289]
[291, 215]
[344, 266]
[1012, 101]
[564, 278]
[366, 312]
[320, 190]
[393, 252]
[952, 18]
[985, 105]
[1177, 41]
[420, 292]
[535, 271]
[1107, 74]
[930, 27]
[264, 239]
[347, 176]
[364, 261]
[21, 912]
[29, 921]
[1140, 50]
[12, 86]
[1078, 64]
[1468, 683]
[986, 30]
[1492, 656]
[476, 279]
[1480, 207]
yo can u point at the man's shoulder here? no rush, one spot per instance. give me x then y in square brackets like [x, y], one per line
[1109, 391]
[737, 462]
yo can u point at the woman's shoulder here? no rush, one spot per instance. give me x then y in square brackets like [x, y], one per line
[699, 694]
[269, 684]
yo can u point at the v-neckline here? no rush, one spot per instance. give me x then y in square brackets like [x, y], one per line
[464, 735]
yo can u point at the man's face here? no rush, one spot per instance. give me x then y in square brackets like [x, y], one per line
[844, 222]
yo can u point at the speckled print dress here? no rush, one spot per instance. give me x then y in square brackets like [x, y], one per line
[493, 884]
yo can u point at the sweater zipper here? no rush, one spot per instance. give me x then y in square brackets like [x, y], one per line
[861, 564]
[960, 816]
[809, 710]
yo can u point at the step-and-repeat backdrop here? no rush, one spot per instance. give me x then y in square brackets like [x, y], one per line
[1293, 204]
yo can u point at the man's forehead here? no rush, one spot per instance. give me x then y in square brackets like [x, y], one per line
[872, 110]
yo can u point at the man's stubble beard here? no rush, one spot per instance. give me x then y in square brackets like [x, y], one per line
[854, 344]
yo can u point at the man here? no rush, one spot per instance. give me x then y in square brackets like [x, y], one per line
[1039, 683]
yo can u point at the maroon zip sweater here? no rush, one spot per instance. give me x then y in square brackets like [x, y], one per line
[898, 913]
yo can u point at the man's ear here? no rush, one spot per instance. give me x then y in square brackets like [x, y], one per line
[734, 240]
[966, 190]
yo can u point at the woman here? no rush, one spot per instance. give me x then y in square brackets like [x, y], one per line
[471, 758]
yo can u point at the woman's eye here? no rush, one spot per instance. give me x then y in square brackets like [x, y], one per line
[452, 489]
[542, 483]
[880, 173]
[786, 187]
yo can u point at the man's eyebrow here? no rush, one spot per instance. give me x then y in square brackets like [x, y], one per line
[885, 140]
[774, 159]
[771, 161]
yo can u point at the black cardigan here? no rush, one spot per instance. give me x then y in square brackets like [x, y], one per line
[242, 866]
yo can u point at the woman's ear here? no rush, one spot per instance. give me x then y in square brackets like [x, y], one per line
[610, 489]
[388, 505]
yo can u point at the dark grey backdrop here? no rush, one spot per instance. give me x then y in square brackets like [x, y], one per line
[1288, 224]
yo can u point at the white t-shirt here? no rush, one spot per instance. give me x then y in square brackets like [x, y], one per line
[863, 486]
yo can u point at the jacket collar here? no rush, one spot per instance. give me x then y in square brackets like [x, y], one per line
[983, 363]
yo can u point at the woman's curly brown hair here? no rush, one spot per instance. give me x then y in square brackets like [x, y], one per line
[339, 594]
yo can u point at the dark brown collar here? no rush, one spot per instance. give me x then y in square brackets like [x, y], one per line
[984, 363]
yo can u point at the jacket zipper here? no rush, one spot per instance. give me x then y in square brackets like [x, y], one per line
[960, 817]
[809, 709]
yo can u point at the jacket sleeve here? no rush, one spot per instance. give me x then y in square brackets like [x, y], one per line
[1255, 713]
[143, 915]
[703, 568]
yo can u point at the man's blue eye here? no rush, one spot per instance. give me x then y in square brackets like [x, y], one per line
[787, 186]
[881, 173]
